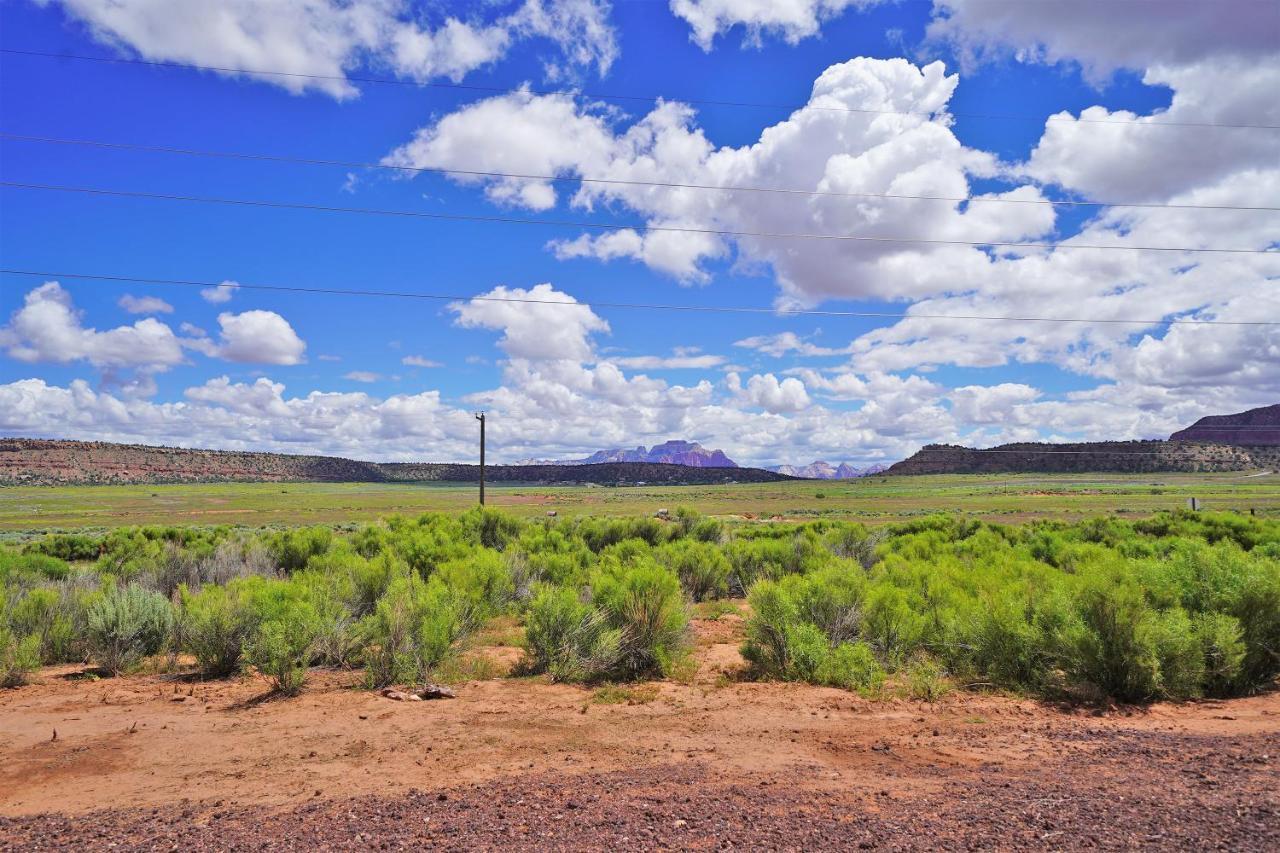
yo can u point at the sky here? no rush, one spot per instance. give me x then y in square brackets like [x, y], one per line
[696, 153]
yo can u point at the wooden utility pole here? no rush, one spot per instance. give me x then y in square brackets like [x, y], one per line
[480, 418]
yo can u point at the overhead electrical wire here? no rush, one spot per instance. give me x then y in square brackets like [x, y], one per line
[609, 226]
[723, 309]
[579, 179]
[614, 96]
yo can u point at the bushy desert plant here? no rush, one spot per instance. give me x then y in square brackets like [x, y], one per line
[480, 584]
[926, 679]
[852, 666]
[1223, 647]
[285, 629]
[702, 568]
[291, 549]
[644, 602]
[1113, 649]
[569, 639]
[415, 627]
[214, 624]
[48, 615]
[126, 624]
[19, 657]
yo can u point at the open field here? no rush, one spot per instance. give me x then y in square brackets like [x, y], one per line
[996, 497]
[678, 682]
[519, 763]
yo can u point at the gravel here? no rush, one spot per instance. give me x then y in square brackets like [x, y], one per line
[1112, 790]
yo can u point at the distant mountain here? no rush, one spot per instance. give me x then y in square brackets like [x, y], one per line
[820, 470]
[618, 454]
[39, 462]
[1254, 428]
[1095, 456]
[688, 453]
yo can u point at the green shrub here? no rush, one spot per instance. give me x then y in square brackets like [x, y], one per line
[600, 533]
[702, 568]
[1256, 606]
[569, 639]
[645, 603]
[852, 666]
[1113, 650]
[480, 584]
[490, 528]
[127, 624]
[854, 542]
[214, 624]
[67, 546]
[1180, 653]
[804, 628]
[285, 630]
[280, 650]
[330, 594]
[430, 540]
[292, 549]
[34, 566]
[773, 611]
[1223, 647]
[49, 616]
[807, 650]
[19, 657]
[1010, 642]
[415, 627]
[926, 679]
[890, 624]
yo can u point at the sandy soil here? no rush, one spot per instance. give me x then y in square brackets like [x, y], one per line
[162, 761]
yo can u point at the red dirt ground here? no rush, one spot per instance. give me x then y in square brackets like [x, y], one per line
[155, 762]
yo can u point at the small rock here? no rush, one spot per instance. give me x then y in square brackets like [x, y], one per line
[436, 691]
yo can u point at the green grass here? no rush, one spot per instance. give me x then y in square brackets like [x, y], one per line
[616, 695]
[876, 500]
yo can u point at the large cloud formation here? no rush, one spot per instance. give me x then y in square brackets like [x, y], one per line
[880, 128]
[871, 129]
[48, 328]
[314, 44]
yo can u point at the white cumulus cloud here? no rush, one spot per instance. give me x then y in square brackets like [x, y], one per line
[552, 326]
[48, 328]
[315, 44]
[144, 304]
[219, 294]
[792, 20]
[259, 337]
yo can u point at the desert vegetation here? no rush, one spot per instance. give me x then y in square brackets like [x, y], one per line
[1177, 606]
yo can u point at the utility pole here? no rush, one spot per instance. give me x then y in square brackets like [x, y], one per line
[480, 418]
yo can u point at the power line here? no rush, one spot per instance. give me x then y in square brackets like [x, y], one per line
[613, 96]
[578, 179]
[720, 309]
[608, 226]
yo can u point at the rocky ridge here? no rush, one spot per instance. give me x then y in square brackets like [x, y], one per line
[31, 461]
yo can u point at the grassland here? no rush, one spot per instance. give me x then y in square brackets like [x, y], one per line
[995, 497]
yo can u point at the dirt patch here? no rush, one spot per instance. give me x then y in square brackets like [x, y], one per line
[204, 765]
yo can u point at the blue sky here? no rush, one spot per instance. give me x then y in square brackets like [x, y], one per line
[328, 373]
